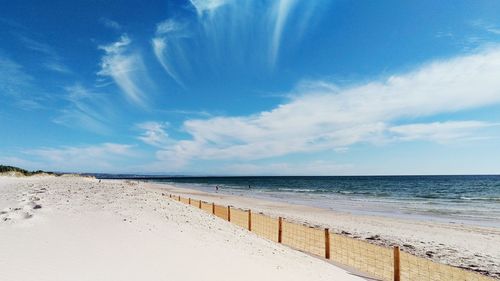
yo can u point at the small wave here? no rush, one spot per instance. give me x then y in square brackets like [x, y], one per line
[429, 196]
[494, 199]
[345, 192]
[299, 189]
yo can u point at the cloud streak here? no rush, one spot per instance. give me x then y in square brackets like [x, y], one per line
[321, 116]
[127, 70]
[247, 33]
[154, 134]
[86, 109]
[52, 61]
[89, 158]
[19, 86]
[282, 10]
[166, 43]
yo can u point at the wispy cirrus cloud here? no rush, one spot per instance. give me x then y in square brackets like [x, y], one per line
[282, 11]
[127, 69]
[86, 109]
[207, 6]
[321, 116]
[306, 168]
[441, 132]
[247, 33]
[486, 26]
[16, 84]
[166, 44]
[85, 158]
[13, 78]
[109, 23]
[52, 60]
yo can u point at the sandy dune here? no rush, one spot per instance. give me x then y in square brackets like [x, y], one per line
[72, 228]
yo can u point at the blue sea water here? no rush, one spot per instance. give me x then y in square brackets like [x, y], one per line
[458, 199]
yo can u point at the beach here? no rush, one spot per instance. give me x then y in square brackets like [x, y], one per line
[81, 228]
[462, 245]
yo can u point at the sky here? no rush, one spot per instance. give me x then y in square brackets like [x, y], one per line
[251, 87]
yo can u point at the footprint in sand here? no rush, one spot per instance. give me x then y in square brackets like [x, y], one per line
[16, 215]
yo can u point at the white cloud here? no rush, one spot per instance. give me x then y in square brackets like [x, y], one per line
[126, 68]
[161, 53]
[207, 6]
[166, 44]
[282, 10]
[52, 60]
[313, 168]
[35, 45]
[19, 162]
[154, 134]
[167, 26]
[324, 117]
[247, 33]
[441, 132]
[110, 24]
[13, 78]
[57, 67]
[19, 86]
[90, 158]
[86, 109]
[491, 28]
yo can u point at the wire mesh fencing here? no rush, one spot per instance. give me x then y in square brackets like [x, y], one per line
[207, 207]
[240, 217]
[304, 238]
[194, 203]
[221, 212]
[372, 259]
[265, 226]
[382, 263]
[416, 268]
[184, 200]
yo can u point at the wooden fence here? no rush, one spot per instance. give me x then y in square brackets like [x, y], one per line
[383, 263]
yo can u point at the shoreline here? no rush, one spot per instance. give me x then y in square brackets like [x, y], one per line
[365, 206]
[465, 246]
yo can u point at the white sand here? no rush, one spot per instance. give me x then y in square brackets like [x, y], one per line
[117, 230]
[472, 247]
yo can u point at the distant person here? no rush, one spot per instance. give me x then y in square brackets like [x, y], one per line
[216, 188]
[249, 187]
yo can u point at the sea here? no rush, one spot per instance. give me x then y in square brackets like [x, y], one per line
[472, 200]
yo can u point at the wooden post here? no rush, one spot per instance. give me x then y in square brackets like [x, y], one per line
[189, 200]
[199, 204]
[249, 220]
[179, 198]
[228, 213]
[213, 208]
[280, 229]
[397, 270]
[327, 243]
[170, 195]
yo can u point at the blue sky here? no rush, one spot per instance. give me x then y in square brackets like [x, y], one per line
[251, 87]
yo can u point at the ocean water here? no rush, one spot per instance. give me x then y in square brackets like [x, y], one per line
[458, 199]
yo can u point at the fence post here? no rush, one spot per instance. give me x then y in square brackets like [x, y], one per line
[199, 204]
[397, 270]
[249, 220]
[179, 198]
[229, 213]
[327, 243]
[213, 208]
[189, 200]
[280, 229]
